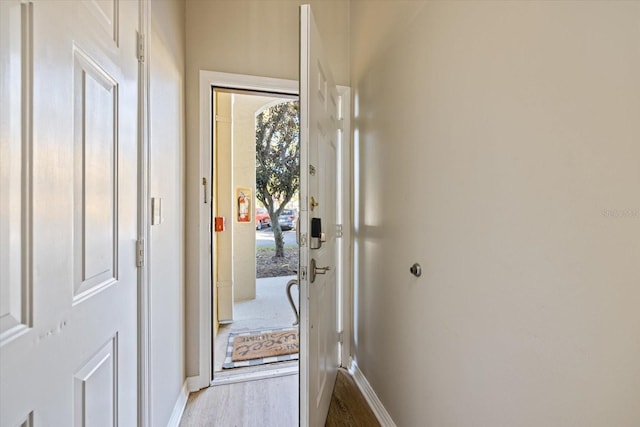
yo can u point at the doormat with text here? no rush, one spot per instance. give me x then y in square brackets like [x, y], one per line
[253, 348]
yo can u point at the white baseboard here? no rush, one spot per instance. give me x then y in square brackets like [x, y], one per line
[372, 399]
[178, 408]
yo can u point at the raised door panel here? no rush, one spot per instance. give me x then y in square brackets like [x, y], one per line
[15, 168]
[107, 16]
[95, 176]
[95, 389]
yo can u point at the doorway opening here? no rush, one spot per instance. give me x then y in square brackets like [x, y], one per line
[255, 181]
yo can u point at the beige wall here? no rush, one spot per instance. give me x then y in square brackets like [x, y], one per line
[166, 58]
[223, 197]
[253, 37]
[260, 37]
[498, 144]
[244, 175]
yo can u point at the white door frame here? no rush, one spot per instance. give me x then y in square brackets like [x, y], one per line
[209, 79]
[144, 224]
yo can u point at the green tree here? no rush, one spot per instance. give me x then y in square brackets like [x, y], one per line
[278, 161]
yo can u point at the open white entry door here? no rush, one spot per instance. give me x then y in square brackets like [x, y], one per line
[319, 149]
[68, 200]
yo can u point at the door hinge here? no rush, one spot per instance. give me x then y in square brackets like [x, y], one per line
[340, 337]
[140, 52]
[338, 231]
[303, 273]
[140, 253]
[341, 124]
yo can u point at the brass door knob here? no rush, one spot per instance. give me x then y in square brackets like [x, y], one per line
[314, 203]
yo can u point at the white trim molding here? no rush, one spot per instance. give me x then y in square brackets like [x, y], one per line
[370, 396]
[143, 224]
[345, 219]
[178, 408]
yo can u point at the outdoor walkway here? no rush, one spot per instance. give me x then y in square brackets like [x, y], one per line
[270, 309]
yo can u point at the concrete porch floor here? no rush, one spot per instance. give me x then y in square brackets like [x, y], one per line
[270, 309]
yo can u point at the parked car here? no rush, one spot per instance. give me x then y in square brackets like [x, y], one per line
[262, 218]
[287, 219]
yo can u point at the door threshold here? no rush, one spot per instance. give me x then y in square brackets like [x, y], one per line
[223, 378]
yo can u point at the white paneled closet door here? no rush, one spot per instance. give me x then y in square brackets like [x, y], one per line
[69, 126]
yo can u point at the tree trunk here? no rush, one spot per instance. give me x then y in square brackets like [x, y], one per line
[279, 238]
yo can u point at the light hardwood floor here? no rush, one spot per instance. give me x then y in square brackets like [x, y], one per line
[274, 403]
[348, 406]
[271, 402]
